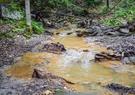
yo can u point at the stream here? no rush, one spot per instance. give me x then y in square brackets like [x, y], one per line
[76, 66]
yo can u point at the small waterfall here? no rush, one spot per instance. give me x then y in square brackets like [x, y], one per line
[73, 56]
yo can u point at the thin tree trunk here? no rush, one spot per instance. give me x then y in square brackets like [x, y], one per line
[28, 14]
[108, 3]
[0, 11]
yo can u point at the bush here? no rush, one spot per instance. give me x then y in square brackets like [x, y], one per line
[124, 11]
[60, 3]
[20, 27]
[37, 27]
[93, 2]
[41, 4]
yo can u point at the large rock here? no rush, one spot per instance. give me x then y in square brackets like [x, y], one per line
[54, 48]
[97, 29]
[124, 30]
[11, 14]
[122, 90]
[128, 57]
[86, 33]
[106, 56]
[40, 73]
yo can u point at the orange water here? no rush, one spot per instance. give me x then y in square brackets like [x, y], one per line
[87, 78]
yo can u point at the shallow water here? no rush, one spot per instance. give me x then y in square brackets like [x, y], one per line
[77, 66]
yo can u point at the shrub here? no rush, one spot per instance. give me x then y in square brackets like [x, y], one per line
[93, 2]
[124, 11]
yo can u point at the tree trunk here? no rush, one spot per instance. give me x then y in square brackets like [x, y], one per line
[28, 14]
[108, 3]
[0, 11]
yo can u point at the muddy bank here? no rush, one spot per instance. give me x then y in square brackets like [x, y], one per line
[33, 87]
[36, 84]
[11, 48]
[8, 51]
[11, 51]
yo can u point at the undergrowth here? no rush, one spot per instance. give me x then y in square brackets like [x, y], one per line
[124, 12]
[19, 27]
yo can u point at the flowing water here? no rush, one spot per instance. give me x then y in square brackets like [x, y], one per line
[77, 66]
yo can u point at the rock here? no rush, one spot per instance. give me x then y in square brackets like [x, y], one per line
[86, 50]
[57, 33]
[40, 73]
[54, 48]
[47, 92]
[96, 29]
[44, 74]
[69, 33]
[106, 56]
[124, 22]
[122, 90]
[48, 23]
[82, 24]
[131, 28]
[48, 33]
[5, 28]
[11, 14]
[85, 33]
[124, 30]
[128, 58]
[118, 44]
[94, 22]
[112, 33]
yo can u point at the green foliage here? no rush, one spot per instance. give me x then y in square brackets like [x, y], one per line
[37, 27]
[77, 10]
[20, 27]
[93, 2]
[14, 6]
[59, 3]
[125, 11]
[5, 1]
[42, 4]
